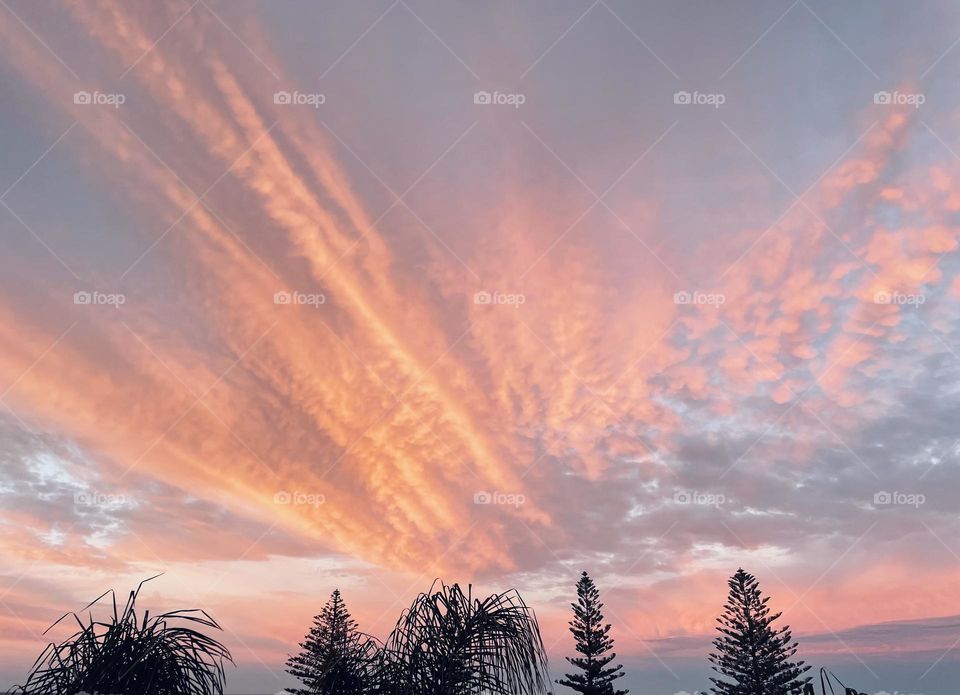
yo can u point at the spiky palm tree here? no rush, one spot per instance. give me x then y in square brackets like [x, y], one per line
[132, 654]
[450, 643]
[827, 681]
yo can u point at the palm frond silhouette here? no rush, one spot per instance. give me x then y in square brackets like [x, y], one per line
[450, 643]
[128, 653]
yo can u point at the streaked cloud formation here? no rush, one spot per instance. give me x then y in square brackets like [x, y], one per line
[400, 334]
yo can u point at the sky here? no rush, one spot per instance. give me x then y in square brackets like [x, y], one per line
[297, 296]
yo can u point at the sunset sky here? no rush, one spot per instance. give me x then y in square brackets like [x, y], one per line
[684, 297]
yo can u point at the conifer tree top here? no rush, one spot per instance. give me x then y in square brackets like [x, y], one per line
[333, 655]
[594, 644]
[753, 656]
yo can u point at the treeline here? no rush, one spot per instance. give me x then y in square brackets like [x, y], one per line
[448, 642]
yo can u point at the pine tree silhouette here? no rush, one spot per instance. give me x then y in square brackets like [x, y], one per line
[750, 651]
[593, 643]
[334, 656]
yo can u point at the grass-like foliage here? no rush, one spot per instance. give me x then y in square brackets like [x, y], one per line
[164, 654]
[827, 680]
[449, 642]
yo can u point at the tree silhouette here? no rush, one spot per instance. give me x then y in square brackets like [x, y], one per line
[596, 676]
[750, 651]
[334, 657]
[129, 654]
[450, 643]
